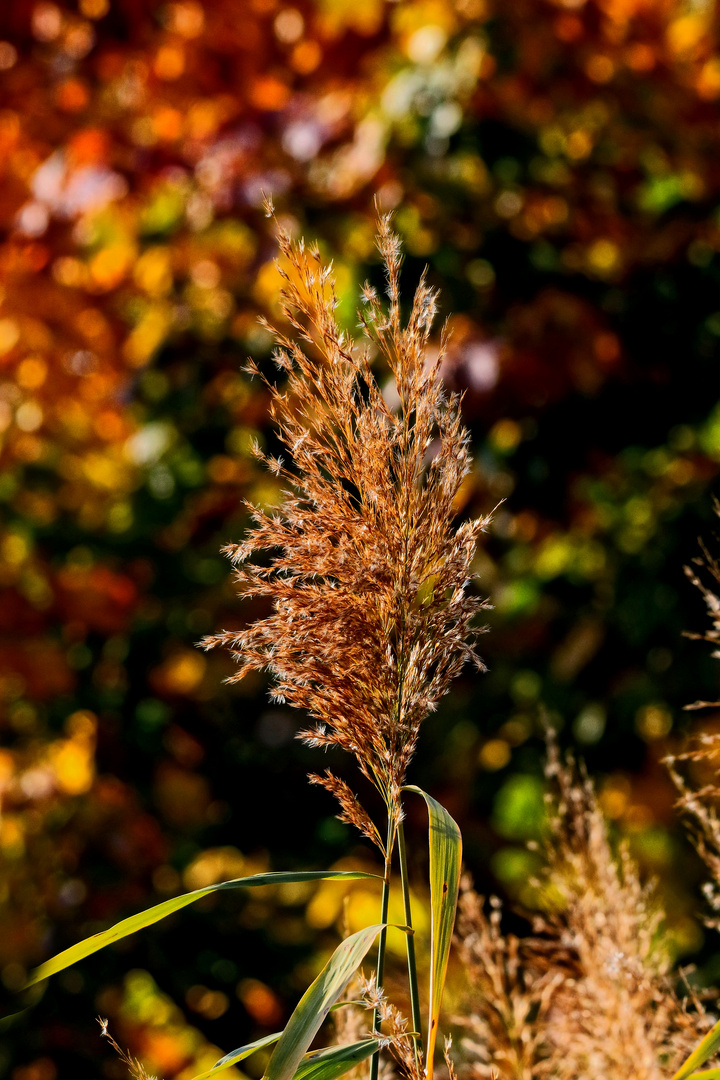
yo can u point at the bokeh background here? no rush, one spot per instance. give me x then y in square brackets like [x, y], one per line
[556, 164]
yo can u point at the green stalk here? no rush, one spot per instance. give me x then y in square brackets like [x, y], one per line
[375, 1062]
[410, 943]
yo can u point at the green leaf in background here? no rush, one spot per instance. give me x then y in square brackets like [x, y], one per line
[445, 858]
[700, 1055]
[316, 1002]
[239, 1055]
[160, 911]
[519, 808]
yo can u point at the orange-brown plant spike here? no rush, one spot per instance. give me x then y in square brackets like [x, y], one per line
[367, 574]
[351, 809]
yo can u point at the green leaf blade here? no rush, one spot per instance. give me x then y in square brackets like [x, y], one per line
[334, 1061]
[702, 1053]
[327, 1064]
[238, 1055]
[160, 911]
[445, 842]
[316, 1002]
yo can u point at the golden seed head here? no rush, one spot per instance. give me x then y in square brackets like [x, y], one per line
[366, 573]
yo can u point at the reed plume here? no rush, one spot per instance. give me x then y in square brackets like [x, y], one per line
[695, 771]
[618, 1013]
[699, 803]
[590, 991]
[505, 1019]
[364, 569]
[706, 578]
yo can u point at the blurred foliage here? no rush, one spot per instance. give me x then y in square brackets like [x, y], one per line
[555, 165]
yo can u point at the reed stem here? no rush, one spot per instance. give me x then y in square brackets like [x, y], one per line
[410, 943]
[380, 971]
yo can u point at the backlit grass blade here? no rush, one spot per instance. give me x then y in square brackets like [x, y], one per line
[238, 1055]
[334, 1061]
[445, 857]
[702, 1053]
[316, 1002]
[706, 1074]
[327, 1064]
[167, 907]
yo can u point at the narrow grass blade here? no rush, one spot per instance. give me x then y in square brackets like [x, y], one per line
[167, 907]
[238, 1055]
[445, 857]
[334, 1061]
[327, 1064]
[8, 1019]
[316, 1002]
[706, 1074]
[702, 1053]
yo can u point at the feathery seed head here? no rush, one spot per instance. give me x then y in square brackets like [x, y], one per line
[368, 577]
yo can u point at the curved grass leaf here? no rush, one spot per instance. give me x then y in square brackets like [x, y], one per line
[702, 1053]
[16, 1003]
[334, 1061]
[238, 1055]
[167, 907]
[316, 1003]
[327, 1064]
[353, 1050]
[9, 1019]
[445, 857]
[706, 1074]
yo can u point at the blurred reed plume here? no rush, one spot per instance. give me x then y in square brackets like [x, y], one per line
[589, 992]
[699, 802]
[366, 573]
[695, 772]
[705, 576]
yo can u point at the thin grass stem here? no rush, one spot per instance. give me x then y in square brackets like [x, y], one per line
[384, 903]
[410, 944]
